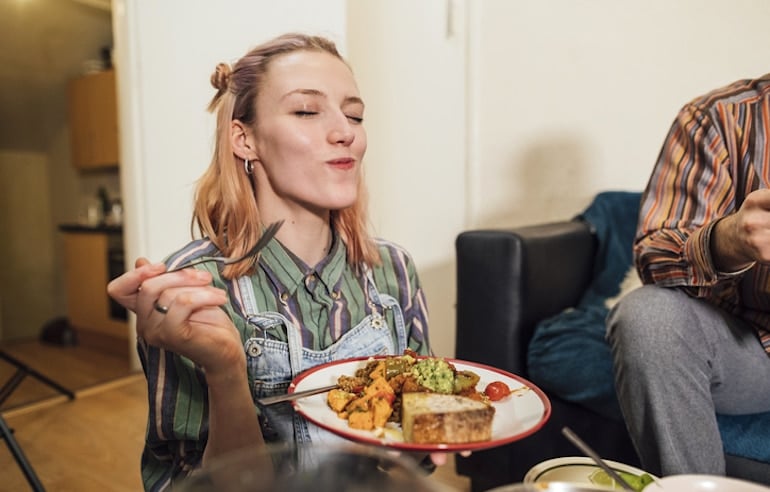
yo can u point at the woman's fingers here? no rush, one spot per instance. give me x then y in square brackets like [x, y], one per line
[439, 459]
[178, 294]
[124, 289]
[195, 327]
[141, 261]
[182, 302]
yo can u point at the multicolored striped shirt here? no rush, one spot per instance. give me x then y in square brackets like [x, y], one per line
[325, 301]
[716, 152]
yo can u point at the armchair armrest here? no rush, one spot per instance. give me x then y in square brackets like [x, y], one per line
[508, 280]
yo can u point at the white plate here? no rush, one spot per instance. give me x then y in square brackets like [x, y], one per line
[572, 469]
[516, 417]
[710, 483]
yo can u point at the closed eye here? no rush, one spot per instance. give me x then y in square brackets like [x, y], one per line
[305, 114]
[355, 119]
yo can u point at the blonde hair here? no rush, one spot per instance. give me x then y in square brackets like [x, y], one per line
[225, 207]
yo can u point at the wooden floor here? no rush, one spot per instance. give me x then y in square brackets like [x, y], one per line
[74, 368]
[92, 443]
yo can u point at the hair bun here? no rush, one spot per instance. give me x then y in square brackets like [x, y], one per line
[221, 76]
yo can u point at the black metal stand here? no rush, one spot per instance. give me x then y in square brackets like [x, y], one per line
[22, 371]
[18, 455]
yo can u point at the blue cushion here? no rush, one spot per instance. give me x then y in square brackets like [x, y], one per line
[569, 355]
[746, 435]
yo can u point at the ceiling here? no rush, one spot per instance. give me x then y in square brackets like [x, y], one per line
[43, 44]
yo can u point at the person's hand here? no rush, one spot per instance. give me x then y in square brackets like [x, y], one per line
[742, 238]
[125, 289]
[180, 312]
[440, 459]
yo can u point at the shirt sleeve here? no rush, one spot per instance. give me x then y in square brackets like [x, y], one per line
[177, 425]
[691, 187]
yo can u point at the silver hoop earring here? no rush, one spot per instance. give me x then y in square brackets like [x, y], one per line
[248, 166]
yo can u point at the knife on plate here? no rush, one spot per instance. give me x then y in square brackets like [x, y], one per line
[271, 400]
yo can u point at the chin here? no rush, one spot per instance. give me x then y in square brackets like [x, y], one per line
[342, 200]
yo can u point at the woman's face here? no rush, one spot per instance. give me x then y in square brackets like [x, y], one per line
[309, 134]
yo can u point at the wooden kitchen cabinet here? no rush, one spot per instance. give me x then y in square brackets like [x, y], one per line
[93, 120]
[87, 272]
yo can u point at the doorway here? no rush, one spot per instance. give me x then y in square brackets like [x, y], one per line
[43, 45]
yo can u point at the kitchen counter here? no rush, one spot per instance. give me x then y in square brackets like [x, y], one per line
[102, 229]
[93, 255]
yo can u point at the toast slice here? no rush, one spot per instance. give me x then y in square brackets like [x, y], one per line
[433, 418]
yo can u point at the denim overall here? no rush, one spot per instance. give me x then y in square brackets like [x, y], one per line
[272, 364]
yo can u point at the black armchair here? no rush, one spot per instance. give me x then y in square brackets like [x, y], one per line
[507, 281]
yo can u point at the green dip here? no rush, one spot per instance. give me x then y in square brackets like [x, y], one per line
[434, 374]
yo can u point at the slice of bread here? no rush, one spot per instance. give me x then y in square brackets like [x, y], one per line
[434, 418]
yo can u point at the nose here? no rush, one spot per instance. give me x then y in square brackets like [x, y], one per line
[342, 133]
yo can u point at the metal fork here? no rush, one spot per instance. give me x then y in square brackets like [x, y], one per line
[267, 235]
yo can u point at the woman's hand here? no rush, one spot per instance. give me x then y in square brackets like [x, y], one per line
[125, 289]
[181, 312]
[440, 459]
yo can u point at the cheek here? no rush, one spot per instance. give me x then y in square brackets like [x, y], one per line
[360, 144]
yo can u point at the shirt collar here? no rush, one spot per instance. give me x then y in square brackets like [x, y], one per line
[289, 271]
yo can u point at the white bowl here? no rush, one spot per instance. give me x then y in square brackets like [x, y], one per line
[548, 487]
[710, 483]
[572, 469]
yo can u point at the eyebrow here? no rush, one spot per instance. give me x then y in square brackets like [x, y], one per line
[315, 92]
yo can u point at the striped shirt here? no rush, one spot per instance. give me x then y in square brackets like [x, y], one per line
[325, 302]
[716, 152]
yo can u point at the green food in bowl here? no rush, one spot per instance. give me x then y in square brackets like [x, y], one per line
[638, 482]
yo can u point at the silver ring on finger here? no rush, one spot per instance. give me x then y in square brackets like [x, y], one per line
[159, 308]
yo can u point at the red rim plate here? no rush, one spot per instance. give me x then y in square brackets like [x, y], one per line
[516, 417]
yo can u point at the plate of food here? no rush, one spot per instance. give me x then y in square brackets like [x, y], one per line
[418, 403]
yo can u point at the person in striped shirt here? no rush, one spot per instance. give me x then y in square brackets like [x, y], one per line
[289, 146]
[694, 341]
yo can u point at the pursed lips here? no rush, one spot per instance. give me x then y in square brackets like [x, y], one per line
[342, 163]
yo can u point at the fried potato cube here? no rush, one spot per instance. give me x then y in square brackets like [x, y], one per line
[396, 382]
[338, 399]
[361, 420]
[379, 370]
[358, 404]
[379, 385]
[381, 410]
[411, 385]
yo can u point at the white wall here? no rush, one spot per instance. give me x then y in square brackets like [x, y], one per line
[411, 72]
[27, 283]
[575, 96]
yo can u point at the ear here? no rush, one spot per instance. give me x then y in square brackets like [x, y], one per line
[242, 141]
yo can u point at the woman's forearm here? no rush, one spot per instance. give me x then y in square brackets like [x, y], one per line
[233, 421]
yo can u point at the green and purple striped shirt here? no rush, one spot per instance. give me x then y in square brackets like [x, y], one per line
[325, 301]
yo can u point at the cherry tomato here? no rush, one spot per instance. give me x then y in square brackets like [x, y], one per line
[497, 390]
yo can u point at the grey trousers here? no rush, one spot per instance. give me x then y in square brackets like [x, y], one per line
[677, 362]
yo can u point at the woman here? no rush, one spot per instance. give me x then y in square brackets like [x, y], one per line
[289, 146]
